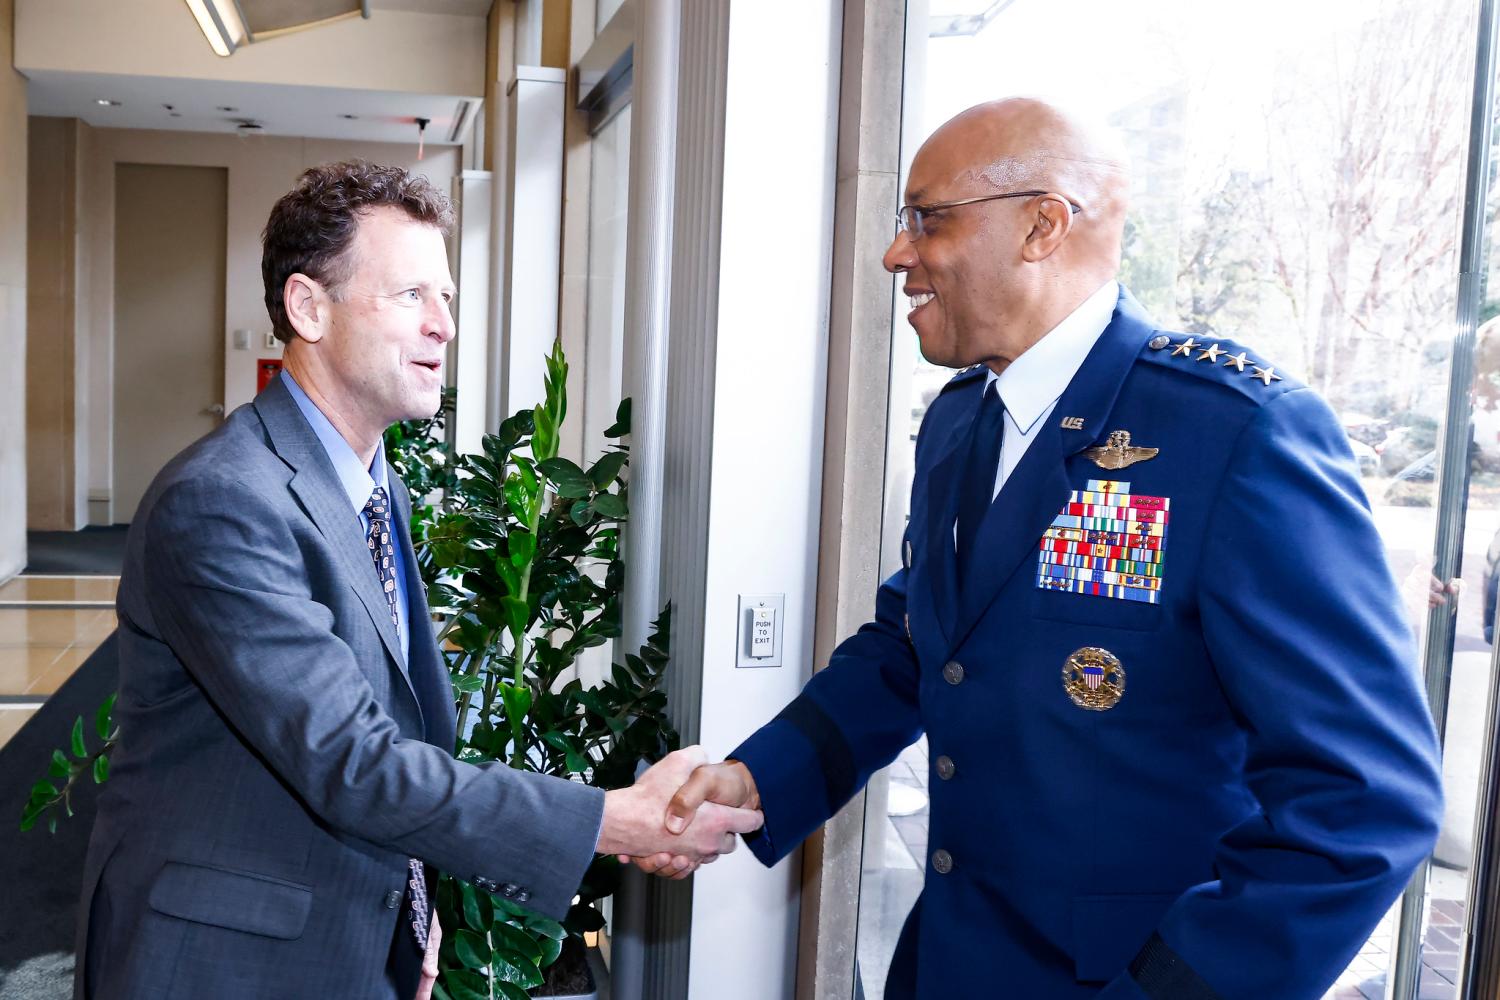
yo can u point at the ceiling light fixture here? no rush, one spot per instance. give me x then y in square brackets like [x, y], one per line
[221, 24]
[105, 102]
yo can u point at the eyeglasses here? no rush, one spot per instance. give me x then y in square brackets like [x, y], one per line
[909, 219]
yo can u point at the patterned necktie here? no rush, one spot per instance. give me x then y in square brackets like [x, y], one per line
[383, 552]
[977, 490]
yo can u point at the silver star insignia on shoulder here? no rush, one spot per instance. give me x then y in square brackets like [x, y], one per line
[1211, 353]
[1267, 374]
[1186, 347]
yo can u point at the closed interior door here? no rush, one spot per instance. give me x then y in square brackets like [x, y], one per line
[169, 318]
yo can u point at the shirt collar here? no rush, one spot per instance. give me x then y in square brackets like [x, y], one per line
[1038, 377]
[358, 482]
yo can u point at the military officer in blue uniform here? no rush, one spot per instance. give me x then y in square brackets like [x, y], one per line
[1179, 748]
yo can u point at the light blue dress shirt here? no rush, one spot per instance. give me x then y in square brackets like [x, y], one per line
[358, 483]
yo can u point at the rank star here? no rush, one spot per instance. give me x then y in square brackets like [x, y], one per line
[1186, 347]
[1237, 361]
[1266, 375]
[1211, 353]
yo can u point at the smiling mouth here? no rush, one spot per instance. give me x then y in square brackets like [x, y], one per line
[919, 300]
[432, 366]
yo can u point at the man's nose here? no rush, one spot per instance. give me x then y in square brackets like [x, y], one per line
[440, 322]
[901, 255]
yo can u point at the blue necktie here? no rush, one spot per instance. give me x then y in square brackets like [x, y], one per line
[977, 490]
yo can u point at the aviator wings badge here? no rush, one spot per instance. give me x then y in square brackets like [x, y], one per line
[1118, 452]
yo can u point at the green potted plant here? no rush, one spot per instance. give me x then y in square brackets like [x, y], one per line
[525, 555]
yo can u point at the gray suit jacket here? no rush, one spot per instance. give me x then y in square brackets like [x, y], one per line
[278, 761]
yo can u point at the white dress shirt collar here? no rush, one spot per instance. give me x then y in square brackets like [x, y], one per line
[1036, 379]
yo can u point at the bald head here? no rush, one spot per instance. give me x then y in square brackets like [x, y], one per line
[1020, 144]
[1021, 213]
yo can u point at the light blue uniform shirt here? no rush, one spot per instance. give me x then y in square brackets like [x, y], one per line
[358, 483]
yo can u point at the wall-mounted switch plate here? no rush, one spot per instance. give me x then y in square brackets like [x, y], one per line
[761, 620]
[270, 340]
[242, 340]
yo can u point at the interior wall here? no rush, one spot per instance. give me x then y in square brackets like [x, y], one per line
[55, 497]
[13, 174]
[260, 170]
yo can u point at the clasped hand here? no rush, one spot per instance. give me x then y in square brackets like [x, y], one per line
[682, 813]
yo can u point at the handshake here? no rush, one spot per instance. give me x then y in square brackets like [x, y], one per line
[682, 813]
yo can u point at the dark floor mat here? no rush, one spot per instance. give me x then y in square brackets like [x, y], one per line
[94, 551]
[45, 871]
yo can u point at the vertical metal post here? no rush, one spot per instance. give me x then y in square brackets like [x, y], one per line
[648, 279]
[1453, 482]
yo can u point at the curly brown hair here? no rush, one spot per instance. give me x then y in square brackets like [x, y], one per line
[312, 226]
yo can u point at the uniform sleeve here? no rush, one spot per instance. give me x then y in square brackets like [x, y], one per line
[851, 719]
[1307, 634]
[228, 592]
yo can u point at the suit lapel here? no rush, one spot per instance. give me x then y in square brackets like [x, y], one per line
[1039, 485]
[317, 488]
[425, 666]
[942, 499]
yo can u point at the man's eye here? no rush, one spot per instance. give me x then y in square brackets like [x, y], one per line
[413, 294]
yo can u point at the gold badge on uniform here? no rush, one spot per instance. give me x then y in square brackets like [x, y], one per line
[1094, 679]
[1118, 452]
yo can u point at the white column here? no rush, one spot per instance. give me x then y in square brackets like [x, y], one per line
[533, 237]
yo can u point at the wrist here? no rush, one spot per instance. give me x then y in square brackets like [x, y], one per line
[616, 835]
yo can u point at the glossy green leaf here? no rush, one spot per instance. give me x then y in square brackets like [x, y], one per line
[465, 985]
[611, 505]
[101, 769]
[566, 477]
[472, 949]
[509, 991]
[607, 468]
[621, 426]
[59, 767]
[80, 749]
[510, 968]
[516, 942]
[522, 549]
[103, 718]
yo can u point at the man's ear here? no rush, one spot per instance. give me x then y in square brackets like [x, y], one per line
[1049, 227]
[306, 303]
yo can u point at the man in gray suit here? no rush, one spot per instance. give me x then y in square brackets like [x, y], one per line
[284, 788]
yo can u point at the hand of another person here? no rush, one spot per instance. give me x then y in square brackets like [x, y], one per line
[430, 959]
[1437, 591]
[728, 784]
[634, 824]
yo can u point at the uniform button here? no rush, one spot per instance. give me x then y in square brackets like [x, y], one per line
[509, 889]
[945, 767]
[1160, 341]
[393, 899]
[523, 895]
[942, 862]
[953, 672]
[480, 882]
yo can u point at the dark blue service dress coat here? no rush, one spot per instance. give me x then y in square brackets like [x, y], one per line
[1179, 745]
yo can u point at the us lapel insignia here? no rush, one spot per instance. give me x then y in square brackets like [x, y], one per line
[1094, 679]
[1118, 452]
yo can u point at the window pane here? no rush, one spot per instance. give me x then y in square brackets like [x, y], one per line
[1297, 179]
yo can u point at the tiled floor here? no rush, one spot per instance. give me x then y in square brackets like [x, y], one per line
[48, 626]
[72, 591]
